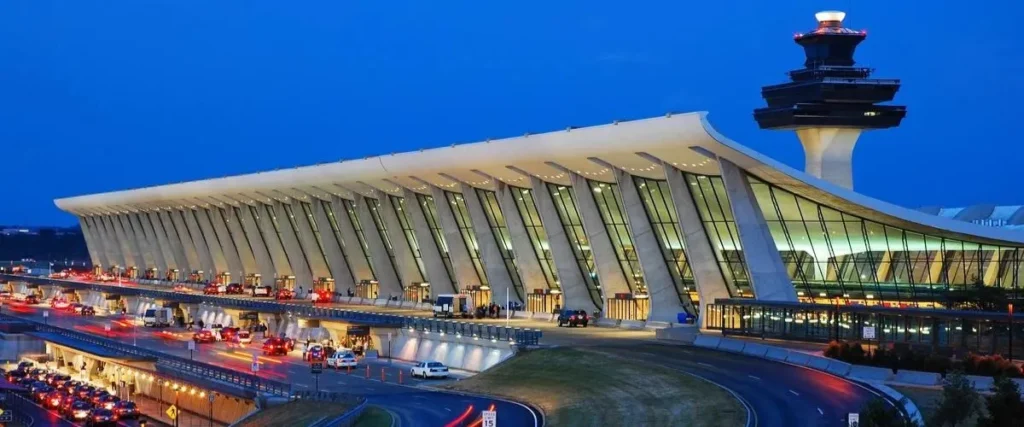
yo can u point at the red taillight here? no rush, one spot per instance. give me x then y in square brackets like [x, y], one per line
[54, 402]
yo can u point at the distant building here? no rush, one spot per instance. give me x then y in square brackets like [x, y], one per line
[1011, 217]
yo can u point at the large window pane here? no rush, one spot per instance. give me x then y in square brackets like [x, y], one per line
[713, 206]
[499, 228]
[609, 205]
[430, 214]
[461, 213]
[527, 207]
[657, 200]
[398, 204]
[565, 204]
[350, 207]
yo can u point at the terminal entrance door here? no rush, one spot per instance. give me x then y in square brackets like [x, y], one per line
[629, 307]
[544, 300]
[173, 275]
[151, 273]
[367, 289]
[115, 304]
[253, 280]
[196, 276]
[481, 295]
[418, 292]
[132, 272]
[97, 270]
[324, 284]
[70, 295]
[33, 289]
[285, 282]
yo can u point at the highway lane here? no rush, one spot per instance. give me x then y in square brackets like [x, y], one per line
[780, 394]
[413, 405]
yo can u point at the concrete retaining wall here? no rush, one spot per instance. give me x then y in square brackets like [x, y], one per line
[459, 353]
[918, 378]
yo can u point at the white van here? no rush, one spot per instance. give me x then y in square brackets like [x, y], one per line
[157, 317]
[453, 305]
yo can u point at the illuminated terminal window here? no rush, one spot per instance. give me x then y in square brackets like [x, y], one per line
[430, 215]
[664, 221]
[398, 204]
[461, 213]
[572, 223]
[716, 213]
[357, 226]
[499, 228]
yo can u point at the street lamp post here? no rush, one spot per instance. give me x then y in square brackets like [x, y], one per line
[1010, 313]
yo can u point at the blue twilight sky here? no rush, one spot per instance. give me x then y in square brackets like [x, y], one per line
[101, 95]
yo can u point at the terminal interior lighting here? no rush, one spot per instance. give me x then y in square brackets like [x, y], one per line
[830, 16]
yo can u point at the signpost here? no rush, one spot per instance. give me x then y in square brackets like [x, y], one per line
[191, 348]
[316, 368]
[868, 333]
[106, 328]
[6, 416]
[255, 363]
[490, 418]
[853, 420]
[46, 317]
[172, 413]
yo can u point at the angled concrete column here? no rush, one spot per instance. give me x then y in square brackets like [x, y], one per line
[936, 263]
[200, 242]
[113, 248]
[354, 251]
[303, 234]
[609, 270]
[340, 271]
[195, 263]
[243, 248]
[530, 271]
[498, 275]
[767, 272]
[147, 242]
[666, 302]
[157, 243]
[139, 243]
[990, 275]
[387, 275]
[227, 245]
[458, 247]
[202, 219]
[92, 244]
[297, 257]
[882, 267]
[699, 254]
[184, 257]
[124, 242]
[275, 247]
[570, 276]
[440, 282]
[253, 227]
[404, 259]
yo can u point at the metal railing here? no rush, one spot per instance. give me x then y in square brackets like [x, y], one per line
[20, 408]
[521, 336]
[198, 370]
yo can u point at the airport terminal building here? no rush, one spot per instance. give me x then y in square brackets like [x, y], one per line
[641, 220]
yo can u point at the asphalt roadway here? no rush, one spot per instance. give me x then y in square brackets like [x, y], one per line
[412, 402]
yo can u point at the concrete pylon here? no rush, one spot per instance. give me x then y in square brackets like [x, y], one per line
[828, 153]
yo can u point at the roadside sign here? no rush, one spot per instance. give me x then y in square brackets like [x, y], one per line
[854, 420]
[255, 367]
[490, 418]
[46, 314]
[191, 345]
[106, 327]
[6, 416]
[172, 412]
[211, 397]
[316, 367]
[255, 359]
[869, 333]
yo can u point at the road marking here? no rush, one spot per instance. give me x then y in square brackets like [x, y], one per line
[448, 409]
[821, 412]
[794, 393]
[301, 385]
[755, 377]
[708, 365]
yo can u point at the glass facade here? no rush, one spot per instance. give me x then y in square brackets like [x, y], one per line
[716, 213]
[280, 237]
[569, 215]
[378, 222]
[295, 232]
[350, 207]
[609, 205]
[527, 207]
[402, 214]
[430, 214]
[662, 215]
[333, 222]
[502, 237]
[461, 214]
[832, 255]
[308, 211]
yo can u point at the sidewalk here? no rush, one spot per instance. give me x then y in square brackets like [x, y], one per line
[152, 409]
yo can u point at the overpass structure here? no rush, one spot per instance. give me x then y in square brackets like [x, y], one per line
[642, 220]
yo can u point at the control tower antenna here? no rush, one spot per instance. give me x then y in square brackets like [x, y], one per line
[830, 101]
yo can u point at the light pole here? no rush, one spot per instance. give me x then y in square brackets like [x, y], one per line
[1010, 312]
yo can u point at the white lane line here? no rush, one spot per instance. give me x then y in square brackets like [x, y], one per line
[707, 365]
[821, 412]
[755, 377]
[448, 409]
[794, 393]
[301, 385]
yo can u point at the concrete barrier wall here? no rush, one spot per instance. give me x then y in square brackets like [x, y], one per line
[459, 353]
[870, 373]
[918, 378]
[12, 346]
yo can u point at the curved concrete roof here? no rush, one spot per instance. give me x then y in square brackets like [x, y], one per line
[686, 141]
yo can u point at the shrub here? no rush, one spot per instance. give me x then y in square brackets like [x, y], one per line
[937, 363]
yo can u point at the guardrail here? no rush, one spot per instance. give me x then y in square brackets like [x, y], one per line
[20, 407]
[522, 336]
[198, 370]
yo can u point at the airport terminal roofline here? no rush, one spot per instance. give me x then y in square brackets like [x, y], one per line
[686, 141]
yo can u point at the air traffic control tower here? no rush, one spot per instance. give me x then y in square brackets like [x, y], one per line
[830, 101]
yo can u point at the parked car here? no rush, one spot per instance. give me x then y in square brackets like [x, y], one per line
[215, 289]
[342, 359]
[234, 289]
[107, 401]
[228, 333]
[101, 417]
[59, 304]
[243, 337]
[573, 318]
[204, 336]
[316, 352]
[182, 289]
[284, 294]
[261, 291]
[126, 410]
[53, 400]
[429, 369]
[78, 410]
[88, 310]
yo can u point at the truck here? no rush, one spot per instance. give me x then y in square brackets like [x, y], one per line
[158, 317]
[453, 305]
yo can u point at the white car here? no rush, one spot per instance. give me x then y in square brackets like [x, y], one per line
[430, 369]
[342, 359]
[244, 337]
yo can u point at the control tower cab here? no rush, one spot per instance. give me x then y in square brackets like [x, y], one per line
[830, 101]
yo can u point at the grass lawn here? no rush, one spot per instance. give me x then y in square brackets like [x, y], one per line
[927, 399]
[374, 416]
[295, 413]
[581, 387]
